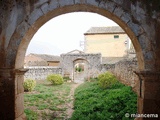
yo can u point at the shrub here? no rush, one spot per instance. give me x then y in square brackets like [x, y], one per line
[106, 80]
[93, 103]
[29, 85]
[55, 79]
[66, 79]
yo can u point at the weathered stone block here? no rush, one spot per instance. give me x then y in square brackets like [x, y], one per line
[119, 1]
[19, 107]
[92, 2]
[149, 55]
[110, 6]
[126, 17]
[53, 4]
[22, 29]
[44, 8]
[137, 30]
[40, 3]
[118, 11]
[80, 1]
[20, 88]
[65, 2]
[144, 42]
[37, 13]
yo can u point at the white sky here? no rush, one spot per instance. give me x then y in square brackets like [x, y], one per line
[63, 33]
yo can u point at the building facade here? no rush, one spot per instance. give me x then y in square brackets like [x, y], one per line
[109, 41]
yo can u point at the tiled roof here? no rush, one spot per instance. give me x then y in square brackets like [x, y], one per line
[102, 30]
[46, 57]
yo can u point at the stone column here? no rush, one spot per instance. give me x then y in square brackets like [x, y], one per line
[11, 94]
[149, 93]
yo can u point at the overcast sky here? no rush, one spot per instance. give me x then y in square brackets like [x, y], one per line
[63, 33]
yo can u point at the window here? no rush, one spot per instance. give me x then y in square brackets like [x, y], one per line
[116, 36]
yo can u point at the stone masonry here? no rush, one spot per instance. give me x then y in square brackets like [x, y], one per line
[124, 70]
[20, 20]
[41, 72]
[93, 62]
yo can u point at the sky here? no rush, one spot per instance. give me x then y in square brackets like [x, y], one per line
[63, 33]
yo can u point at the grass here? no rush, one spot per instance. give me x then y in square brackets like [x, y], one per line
[94, 103]
[46, 101]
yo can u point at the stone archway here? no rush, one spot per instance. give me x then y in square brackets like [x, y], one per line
[68, 61]
[21, 19]
[81, 74]
[92, 63]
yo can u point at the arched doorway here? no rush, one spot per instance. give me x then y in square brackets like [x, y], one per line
[81, 69]
[36, 13]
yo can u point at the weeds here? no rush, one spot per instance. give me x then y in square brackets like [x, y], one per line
[43, 102]
[94, 103]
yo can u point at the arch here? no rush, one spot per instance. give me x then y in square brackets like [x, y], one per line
[79, 59]
[85, 69]
[122, 19]
[142, 28]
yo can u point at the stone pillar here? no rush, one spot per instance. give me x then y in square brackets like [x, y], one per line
[149, 94]
[11, 94]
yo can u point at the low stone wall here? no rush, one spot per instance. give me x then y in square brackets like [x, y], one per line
[41, 73]
[124, 71]
[108, 67]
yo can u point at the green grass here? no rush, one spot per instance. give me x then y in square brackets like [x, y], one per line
[31, 114]
[46, 97]
[94, 103]
[47, 102]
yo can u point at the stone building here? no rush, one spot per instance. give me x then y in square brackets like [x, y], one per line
[20, 20]
[41, 60]
[109, 41]
[90, 62]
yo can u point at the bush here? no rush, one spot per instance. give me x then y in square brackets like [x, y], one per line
[106, 80]
[66, 79]
[93, 103]
[55, 79]
[29, 85]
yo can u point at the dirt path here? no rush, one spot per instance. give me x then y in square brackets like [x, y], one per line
[70, 105]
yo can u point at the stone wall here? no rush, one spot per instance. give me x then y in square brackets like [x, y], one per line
[93, 62]
[124, 71]
[40, 73]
